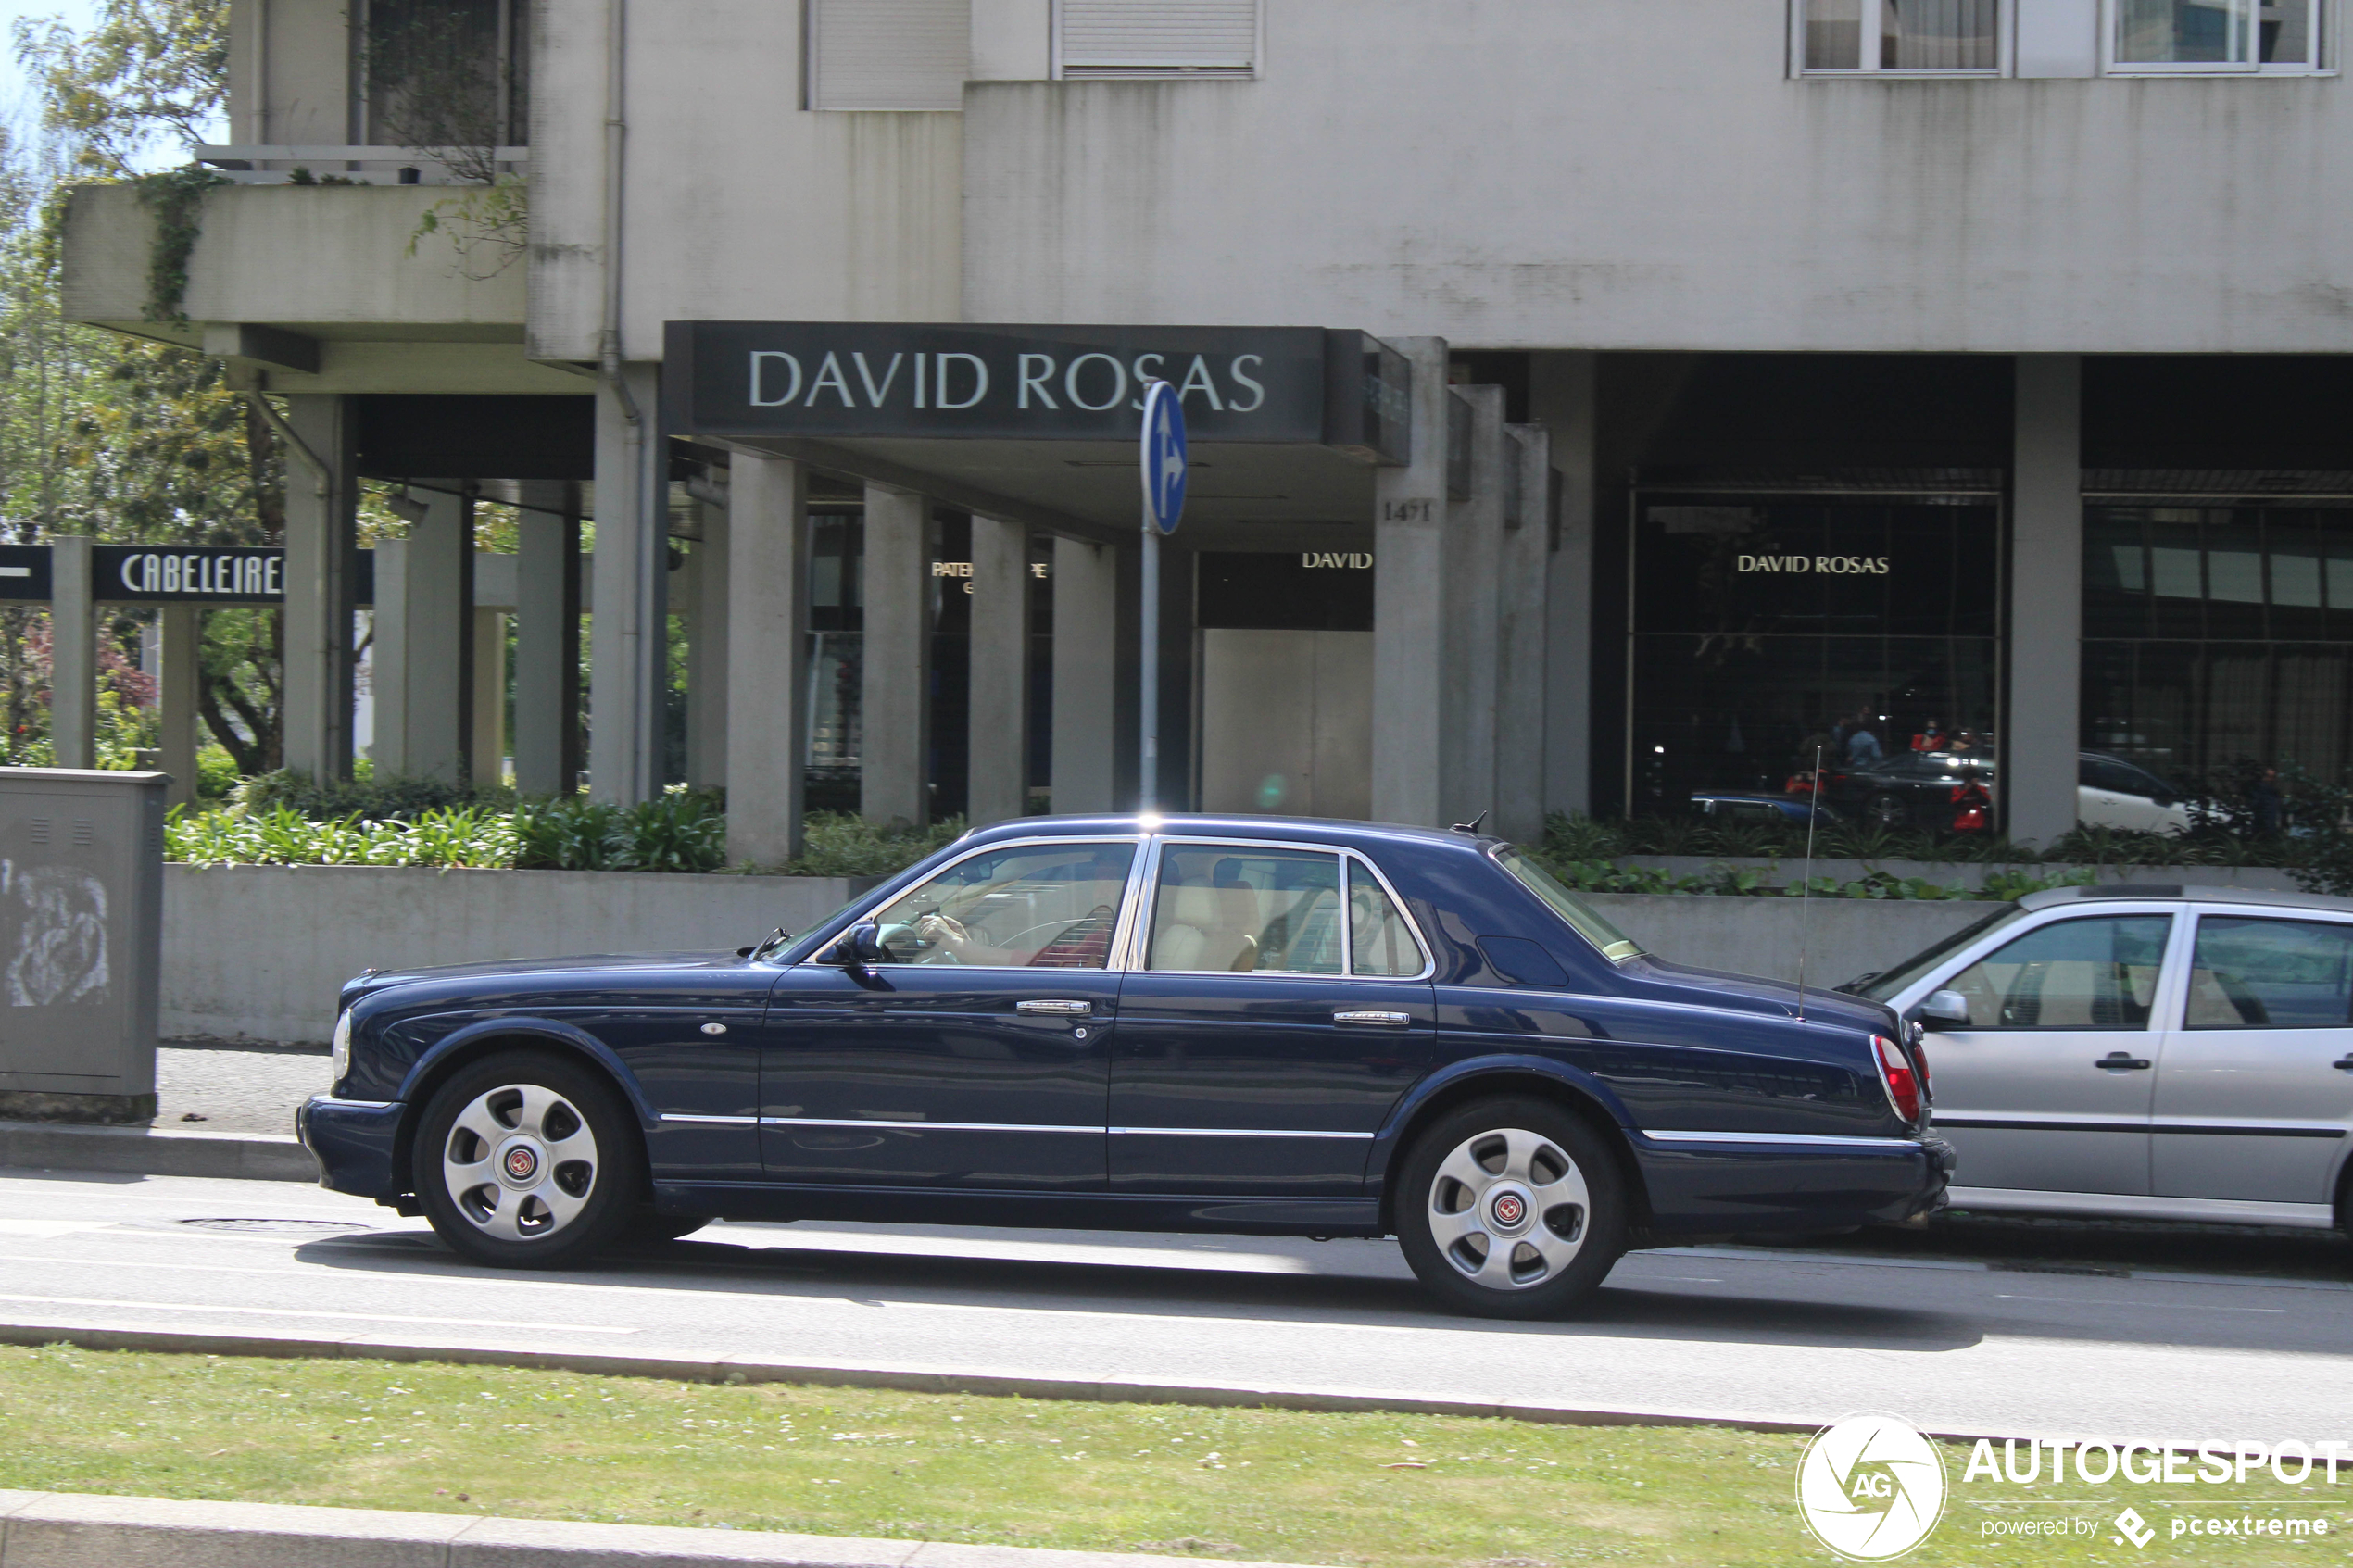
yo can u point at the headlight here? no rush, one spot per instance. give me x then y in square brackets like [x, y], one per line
[343, 1049]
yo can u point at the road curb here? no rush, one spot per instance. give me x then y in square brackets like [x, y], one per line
[80, 1530]
[155, 1152]
[918, 1380]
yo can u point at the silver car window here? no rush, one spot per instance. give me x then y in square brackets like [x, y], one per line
[2252, 973]
[2095, 974]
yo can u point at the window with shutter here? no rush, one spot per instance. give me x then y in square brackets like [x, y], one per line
[908, 55]
[1115, 38]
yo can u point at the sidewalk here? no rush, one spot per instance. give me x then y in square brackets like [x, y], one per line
[71, 1529]
[222, 1111]
[227, 1088]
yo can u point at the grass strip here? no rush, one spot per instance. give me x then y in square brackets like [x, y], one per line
[1387, 1491]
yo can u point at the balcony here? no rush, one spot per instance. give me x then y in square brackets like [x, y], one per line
[313, 288]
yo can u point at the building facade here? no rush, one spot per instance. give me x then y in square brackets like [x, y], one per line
[1590, 403]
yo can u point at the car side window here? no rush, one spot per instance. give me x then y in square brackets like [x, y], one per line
[1224, 909]
[2095, 974]
[1027, 907]
[1379, 942]
[2269, 974]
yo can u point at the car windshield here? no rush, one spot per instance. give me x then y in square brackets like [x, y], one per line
[1885, 983]
[1614, 944]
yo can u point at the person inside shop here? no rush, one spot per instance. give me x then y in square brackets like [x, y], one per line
[1930, 738]
[1862, 747]
[1964, 744]
[1972, 804]
[2264, 797]
[1804, 782]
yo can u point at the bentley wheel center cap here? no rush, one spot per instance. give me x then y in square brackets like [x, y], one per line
[1508, 1210]
[521, 1163]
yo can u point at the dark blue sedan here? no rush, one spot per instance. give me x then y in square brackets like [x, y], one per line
[1245, 1025]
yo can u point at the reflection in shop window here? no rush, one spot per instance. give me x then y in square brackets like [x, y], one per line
[1901, 35]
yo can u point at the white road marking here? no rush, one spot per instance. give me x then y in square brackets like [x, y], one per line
[294, 1313]
[2141, 1306]
[48, 1230]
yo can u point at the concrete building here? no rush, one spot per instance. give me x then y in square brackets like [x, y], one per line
[1590, 403]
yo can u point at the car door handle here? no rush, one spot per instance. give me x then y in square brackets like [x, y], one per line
[1373, 1016]
[2122, 1059]
[1058, 1008]
[2343, 1063]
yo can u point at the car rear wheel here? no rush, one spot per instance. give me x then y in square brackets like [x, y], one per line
[1511, 1208]
[528, 1160]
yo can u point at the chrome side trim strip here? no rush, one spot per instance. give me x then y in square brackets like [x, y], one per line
[355, 1104]
[712, 1121]
[1230, 1132]
[921, 1126]
[1818, 1139]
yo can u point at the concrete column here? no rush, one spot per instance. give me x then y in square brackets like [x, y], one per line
[547, 643]
[1474, 550]
[997, 780]
[895, 693]
[629, 632]
[1562, 396]
[2037, 785]
[179, 635]
[767, 720]
[487, 751]
[1086, 684]
[1520, 653]
[709, 562]
[73, 655]
[319, 611]
[423, 654]
[1409, 512]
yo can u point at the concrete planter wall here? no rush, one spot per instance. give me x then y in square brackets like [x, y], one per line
[258, 951]
[1842, 937]
[1789, 869]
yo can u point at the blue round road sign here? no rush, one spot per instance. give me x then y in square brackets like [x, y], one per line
[1164, 459]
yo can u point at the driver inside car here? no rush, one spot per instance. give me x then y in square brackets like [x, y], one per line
[1032, 907]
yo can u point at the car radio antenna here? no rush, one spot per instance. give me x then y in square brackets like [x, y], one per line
[1805, 888]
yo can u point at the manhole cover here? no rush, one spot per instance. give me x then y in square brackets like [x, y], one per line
[274, 1227]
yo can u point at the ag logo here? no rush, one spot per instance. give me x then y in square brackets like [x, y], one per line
[1870, 1488]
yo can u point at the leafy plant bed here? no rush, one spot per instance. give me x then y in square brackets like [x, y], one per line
[1360, 1488]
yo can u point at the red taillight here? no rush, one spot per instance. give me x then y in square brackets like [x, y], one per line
[1895, 1071]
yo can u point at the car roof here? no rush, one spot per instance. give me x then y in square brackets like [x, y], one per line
[2155, 892]
[1190, 824]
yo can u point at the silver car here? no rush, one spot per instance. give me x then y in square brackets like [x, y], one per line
[2143, 1052]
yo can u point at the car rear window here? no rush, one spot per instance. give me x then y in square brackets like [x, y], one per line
[1582, 918]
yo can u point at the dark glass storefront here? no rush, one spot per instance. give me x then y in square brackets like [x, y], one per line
[2217, 636]
[1761, 626]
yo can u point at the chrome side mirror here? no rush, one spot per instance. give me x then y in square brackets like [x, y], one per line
[1944, 1009]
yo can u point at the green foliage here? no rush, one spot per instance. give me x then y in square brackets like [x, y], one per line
[389, 799]
[176, 197]
[149, 68]
[284, 836]
[842, 843]
[683, 831]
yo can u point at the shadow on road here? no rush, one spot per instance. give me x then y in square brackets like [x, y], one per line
[1621, 1310]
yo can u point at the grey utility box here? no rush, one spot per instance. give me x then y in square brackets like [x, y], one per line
[81, 942]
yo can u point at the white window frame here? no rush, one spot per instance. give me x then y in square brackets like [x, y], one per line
[2324, 16]
[1870, 67]
[1211, 73]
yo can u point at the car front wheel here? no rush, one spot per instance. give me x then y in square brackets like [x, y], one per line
[528, 1160]
[1511, 1208]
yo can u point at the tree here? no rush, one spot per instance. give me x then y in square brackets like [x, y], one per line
[150, 68]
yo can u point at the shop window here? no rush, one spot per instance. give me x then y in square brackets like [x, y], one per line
[899, 55]
[1156, 38]
[1900, 35]
[2219, 638]
[1767, 630]
[2163, 36]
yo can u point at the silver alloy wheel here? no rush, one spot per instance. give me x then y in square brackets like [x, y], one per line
[1507, 1209]
[519, 1162]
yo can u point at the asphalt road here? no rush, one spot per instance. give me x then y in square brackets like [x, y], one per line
[1953, 1343]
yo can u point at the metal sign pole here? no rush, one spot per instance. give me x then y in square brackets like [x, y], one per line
[1163, 456]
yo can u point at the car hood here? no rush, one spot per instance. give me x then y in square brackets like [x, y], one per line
[375, 980]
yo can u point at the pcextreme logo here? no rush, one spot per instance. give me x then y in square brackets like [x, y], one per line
[1872, 1486]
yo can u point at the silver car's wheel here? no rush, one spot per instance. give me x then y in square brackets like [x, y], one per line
[1507, 1209]
[1510, 1208]
[519, 1162]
